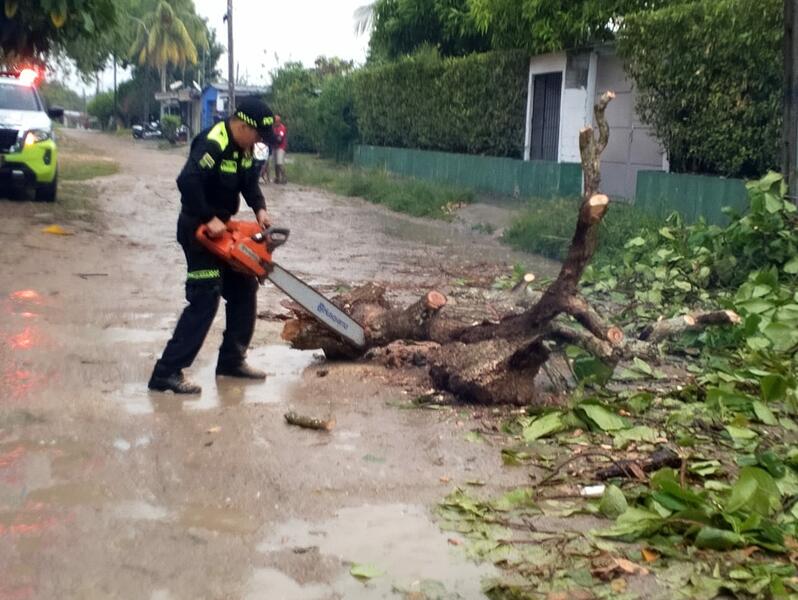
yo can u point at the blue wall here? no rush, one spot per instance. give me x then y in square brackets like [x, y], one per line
[208, 104]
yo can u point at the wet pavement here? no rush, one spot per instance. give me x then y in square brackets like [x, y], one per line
[110, 491]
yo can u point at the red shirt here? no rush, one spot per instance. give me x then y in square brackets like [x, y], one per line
[280, 136]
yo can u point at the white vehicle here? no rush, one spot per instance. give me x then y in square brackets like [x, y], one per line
[28, 151]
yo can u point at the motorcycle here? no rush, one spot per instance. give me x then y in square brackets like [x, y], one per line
[148, 131]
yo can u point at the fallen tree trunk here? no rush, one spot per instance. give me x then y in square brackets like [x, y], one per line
[489, 355]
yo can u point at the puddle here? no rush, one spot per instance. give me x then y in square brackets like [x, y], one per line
[70, 494]
[283, 365]
[138, 510]
[123, 445]
[271, 584]
[117, 335]
[399, 540]
[222, 520]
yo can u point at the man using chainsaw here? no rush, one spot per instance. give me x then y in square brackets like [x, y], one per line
[220, 166]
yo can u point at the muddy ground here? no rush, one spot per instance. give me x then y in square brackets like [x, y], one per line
[109, 491]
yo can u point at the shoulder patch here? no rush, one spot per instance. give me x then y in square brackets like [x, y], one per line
[218, 134]
[207, 162]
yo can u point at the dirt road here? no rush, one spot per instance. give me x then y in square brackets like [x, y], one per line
[108, 491]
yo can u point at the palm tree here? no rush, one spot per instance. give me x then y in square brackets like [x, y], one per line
[364, 18]
[164, 40]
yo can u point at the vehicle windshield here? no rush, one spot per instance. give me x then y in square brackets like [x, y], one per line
[17, 97]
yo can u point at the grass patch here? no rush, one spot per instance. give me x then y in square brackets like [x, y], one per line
[77, 163]
[546, 227]
[80, 167]
[76, 197]
[402, 194]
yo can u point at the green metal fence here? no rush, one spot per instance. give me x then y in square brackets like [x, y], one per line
[542, 179]
[658, 193]
[693, 196]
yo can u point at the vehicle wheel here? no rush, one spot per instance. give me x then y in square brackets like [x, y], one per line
[48, 191]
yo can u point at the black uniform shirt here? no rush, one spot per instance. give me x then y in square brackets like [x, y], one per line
[215, 173]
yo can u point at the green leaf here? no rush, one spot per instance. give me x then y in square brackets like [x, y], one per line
[792, 266]
[613, 503]
[517, 498]
[643, 366]
[711, 538]
[589, 369]
[666, 233]
[764, 414]
[755, 491]
[772, 464]
[635, 242]
[783, 336]
[773, 387]
[543, 426]
[365, 571]
[601, 418]
[704, 467]
[640, 433]
[741, 433]
[474, 437]
[634, 524]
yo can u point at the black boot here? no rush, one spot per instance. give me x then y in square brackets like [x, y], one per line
[175, 382]
[243, 371]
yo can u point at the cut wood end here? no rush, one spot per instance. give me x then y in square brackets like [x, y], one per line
[435, 300]
[529, 277]
[598, 200]
[689, 320]
[291, 329]
[596, 208]
[615, 335]
[734, 318]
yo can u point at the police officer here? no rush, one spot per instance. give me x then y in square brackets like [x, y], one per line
[219, 167]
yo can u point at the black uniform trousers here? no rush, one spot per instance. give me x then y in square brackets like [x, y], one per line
[208, 279]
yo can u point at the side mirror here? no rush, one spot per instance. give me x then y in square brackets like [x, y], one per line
[56, 112]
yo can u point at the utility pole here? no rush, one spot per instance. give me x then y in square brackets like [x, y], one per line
[790, 159]
[116, 112]
[231, 83]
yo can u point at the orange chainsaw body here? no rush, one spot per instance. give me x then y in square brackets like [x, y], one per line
[244, 246]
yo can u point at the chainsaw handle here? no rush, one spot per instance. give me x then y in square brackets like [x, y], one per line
[276, 237]
[202, 230]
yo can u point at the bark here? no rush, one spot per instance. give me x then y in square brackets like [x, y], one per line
[667, 328]
[662, 457]
[293, 418]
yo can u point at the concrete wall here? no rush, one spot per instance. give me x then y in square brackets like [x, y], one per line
[631, 146]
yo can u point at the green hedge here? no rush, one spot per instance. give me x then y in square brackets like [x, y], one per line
[336, 126]
[472, 105]
[709, 77]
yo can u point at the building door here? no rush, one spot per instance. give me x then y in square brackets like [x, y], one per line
[546, 116]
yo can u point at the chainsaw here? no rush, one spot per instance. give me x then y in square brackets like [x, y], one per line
[248, 248]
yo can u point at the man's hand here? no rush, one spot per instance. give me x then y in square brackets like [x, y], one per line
[216, 227]
[264, 220]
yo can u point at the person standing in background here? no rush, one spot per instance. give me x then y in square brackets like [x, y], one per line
[279, 148]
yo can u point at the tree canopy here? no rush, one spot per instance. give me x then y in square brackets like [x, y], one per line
[163, 39]
[459, 27]
[401, 26]
[34, 29]
[550, 25]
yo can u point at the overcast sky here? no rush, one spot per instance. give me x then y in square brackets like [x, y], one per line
[268, 33]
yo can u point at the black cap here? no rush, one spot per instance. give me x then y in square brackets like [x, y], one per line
[257, 114]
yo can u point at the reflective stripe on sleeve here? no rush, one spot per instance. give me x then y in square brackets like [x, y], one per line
[204, 274]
